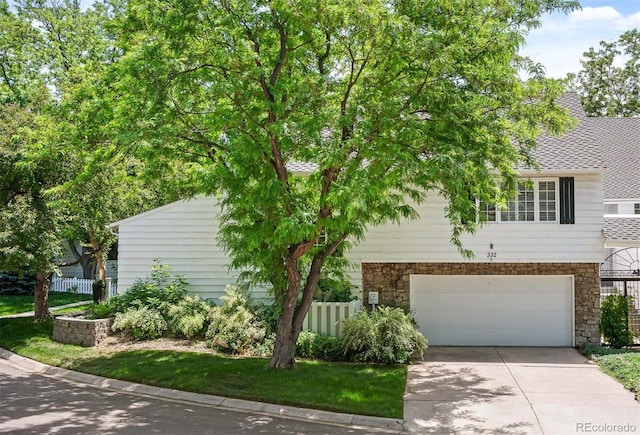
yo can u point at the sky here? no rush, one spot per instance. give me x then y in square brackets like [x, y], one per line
[563, 38]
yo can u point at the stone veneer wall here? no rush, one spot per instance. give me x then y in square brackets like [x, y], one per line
[391, 281]
[85, 332]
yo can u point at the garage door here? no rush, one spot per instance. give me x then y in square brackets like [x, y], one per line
[494, 310]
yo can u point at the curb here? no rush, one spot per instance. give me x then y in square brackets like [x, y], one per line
[390, 425]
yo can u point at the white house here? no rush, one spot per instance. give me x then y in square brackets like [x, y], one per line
[621, 267]
[534, 280]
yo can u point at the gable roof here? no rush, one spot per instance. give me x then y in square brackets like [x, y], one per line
[620, 139]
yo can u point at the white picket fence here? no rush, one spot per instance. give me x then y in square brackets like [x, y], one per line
[79, 285]
[326, 317]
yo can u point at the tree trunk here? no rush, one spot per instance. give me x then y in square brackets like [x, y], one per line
[284, 348]
[293, 314]
[85, 259]
[41, 297]
[97, 250]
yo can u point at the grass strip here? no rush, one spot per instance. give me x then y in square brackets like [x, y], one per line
[16, 304]
[621, 364]
[352, 388]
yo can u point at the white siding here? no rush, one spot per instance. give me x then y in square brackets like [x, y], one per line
[182, 235]
[428, 238]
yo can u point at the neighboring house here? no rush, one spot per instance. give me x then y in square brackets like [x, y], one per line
[621, 267]
[76, 271]
[534, 280]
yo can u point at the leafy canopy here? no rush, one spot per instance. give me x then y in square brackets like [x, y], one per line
[385, 100]
[609, 83]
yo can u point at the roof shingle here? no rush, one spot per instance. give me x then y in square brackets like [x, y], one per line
[622, 228]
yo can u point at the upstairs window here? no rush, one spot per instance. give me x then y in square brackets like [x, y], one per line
[522, 208]
[536, 202]
[547, 200]
[636, 208]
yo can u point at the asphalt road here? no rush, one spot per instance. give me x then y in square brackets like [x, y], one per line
[33, 403]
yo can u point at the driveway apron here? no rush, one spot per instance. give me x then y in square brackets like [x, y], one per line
[510, 390]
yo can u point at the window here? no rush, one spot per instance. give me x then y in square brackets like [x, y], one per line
[611, 208]
[322, 239]
[536, 202]
[636, 208]
[522, 208]
[547, 201]
[487, 212]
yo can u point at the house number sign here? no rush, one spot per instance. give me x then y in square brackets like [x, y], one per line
[491, 255]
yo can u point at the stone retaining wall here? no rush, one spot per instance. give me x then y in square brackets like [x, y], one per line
[85, 332]
[391, 281]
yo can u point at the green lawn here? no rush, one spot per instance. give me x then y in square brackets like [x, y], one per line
[351, 388]
[621, 364]
[12, 304]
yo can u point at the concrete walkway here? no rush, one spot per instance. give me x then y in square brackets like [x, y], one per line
[52, 309]
[486, 390]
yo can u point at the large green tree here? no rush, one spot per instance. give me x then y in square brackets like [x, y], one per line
[609, 82]
[381, 100]
[62, 179]
[30, 228]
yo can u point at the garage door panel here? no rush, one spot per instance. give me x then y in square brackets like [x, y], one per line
[492, 301]
[494, 319]
[524, 310]
[498, 337]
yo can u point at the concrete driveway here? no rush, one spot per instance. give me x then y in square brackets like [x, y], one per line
[506, 390]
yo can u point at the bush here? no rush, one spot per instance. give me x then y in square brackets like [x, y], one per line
[334, 290]
[140, 323]
[102, 310]
[11, 284]
[312, 345]
[267, 314]
[189, 318]
[386, 335]
[613, 322]
[235, 333]
[233, 327]
[155, 293]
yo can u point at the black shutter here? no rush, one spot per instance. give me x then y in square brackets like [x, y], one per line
[567, 201]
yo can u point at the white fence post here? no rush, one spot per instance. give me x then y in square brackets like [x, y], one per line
[326, 317]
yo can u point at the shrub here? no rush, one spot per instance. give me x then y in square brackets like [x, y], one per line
[386, 335]
[233, 327]
[140, 323]
[312, 345]
[235, 333]
[189, 317]
[156, 292]
[267, 314]
[11, 284]
[613, 322]
[102, 310]
[334, 290]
